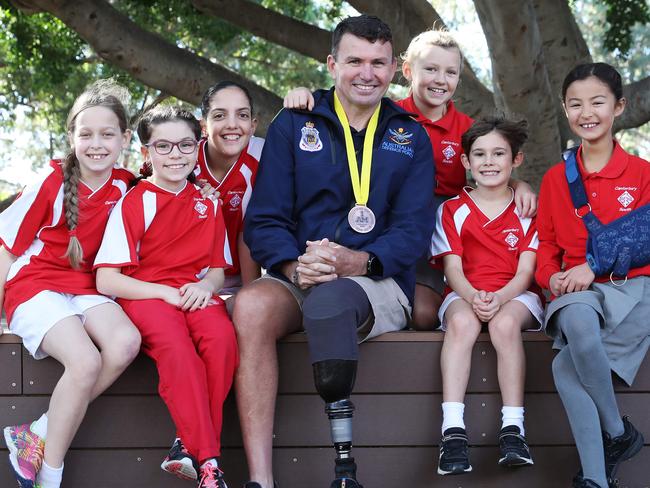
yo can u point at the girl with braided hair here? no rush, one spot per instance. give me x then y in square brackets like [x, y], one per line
[49, 238]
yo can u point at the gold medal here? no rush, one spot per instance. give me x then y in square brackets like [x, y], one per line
[360, 217]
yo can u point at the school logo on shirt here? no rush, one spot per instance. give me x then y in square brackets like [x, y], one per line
[625, 199]
[310, 140]
[448, 152]
[112, 204]
[235, 201]
[511, 239]
[200, 207]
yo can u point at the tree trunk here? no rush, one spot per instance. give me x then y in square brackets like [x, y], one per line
[520, 73]
[564, 48]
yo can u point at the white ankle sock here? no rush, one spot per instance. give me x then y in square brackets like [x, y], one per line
[452, 415]
[39, 427]
[212, 461]
[513, 416]
[49, 477]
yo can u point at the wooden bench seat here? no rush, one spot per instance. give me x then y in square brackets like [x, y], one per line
[127, 431]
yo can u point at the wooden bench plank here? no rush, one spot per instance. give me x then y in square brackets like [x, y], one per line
[10, 369]
[402, 366]
[381, 420]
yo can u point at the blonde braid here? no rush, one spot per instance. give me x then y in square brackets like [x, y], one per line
[71, 177]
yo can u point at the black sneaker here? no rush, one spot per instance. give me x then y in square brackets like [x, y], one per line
[211, 476]
[580, 482]
[513, 448]
[346, 474]
[621, 448]
[454, 452]
[345, 483]
[611, 482]
[255, 484]
[180, 462]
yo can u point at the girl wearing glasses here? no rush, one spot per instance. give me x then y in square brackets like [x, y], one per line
[163, 256]
[228, 158]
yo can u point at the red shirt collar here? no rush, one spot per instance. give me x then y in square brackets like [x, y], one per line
[614, 167]
[445, 122]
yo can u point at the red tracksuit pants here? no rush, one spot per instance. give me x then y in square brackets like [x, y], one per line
[196, 356]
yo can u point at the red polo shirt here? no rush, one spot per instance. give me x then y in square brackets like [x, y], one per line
[445, 135]
[489, 248]
[621, 186]
[235, 187]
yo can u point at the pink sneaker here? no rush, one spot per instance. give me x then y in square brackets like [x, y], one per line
[211, 477]
[25, 453]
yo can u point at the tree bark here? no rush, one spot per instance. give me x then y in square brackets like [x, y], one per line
[637, 110]
[564, 48]
[298, 36]
[520, 74]
[147, 56]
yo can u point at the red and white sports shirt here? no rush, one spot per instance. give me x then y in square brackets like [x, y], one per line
[159, 236]
[614, 191]
[489, 249]
[235, 188]
[34, 229]
[445, 135]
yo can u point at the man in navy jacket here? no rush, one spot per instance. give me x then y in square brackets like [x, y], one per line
[342, 209]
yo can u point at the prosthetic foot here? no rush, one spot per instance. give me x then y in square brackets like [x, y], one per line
[334, 380]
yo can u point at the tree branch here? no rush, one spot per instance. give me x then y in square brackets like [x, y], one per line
[147, 56]
[298, 36]
[637, 111]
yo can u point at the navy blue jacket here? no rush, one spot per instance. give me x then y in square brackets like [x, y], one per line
[303, 190]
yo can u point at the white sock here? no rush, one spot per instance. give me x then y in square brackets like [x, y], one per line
[39, 427]
[49, 477]
[452, 415]
[212, 461]
[513, 416]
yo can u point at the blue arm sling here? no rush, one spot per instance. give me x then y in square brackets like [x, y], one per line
[618, 246]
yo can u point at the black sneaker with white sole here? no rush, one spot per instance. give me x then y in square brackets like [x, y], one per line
[180, 462]
[346, 474]
[621, 448]
[345, 483]
[454, 452]
[580, 482]
[513, 448]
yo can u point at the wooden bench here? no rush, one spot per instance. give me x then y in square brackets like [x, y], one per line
[127, 431]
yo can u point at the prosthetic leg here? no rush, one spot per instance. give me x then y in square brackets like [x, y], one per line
[334, 379]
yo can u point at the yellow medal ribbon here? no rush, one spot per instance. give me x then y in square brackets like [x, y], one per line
[360, 186]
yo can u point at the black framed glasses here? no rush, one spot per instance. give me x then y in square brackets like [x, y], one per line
[163, 147]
